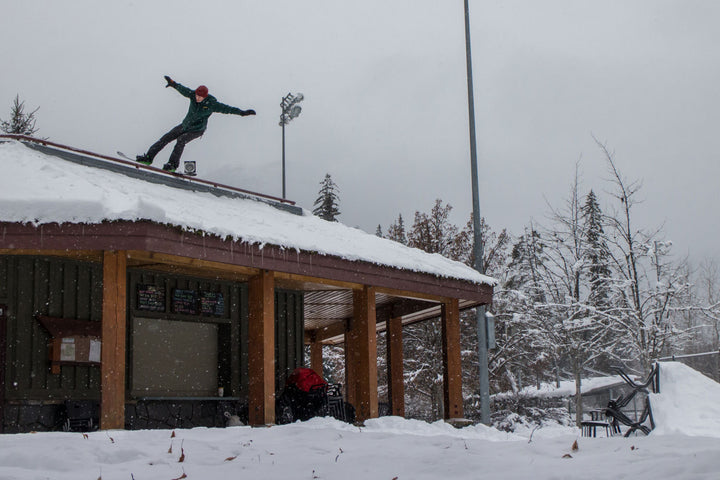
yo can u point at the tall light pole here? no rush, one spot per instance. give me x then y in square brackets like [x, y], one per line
[482, 332]
[290, 110]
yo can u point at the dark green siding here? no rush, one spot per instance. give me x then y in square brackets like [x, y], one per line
[229, 325]
[233, 346]
[57, 288]
[288, 334]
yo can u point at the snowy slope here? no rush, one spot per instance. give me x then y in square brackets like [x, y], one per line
[39, 189]
[688, 402]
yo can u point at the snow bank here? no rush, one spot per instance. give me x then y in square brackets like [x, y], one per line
[327, 449]
[688, 402]
[387, 447]
[38, 188]
[402, 426]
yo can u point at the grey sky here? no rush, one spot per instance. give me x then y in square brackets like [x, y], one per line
[385, 111]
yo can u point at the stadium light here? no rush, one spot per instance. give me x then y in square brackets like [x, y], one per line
[290, 110]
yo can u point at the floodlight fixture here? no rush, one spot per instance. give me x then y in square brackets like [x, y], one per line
[290, 110]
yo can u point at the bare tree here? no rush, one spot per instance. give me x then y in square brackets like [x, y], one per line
[649, 288]
[568, 318]
[709, 285]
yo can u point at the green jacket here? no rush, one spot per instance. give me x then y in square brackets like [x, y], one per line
[198, 113]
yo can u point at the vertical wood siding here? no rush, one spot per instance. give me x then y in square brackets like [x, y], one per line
[64, 288]
[58, 288]
[288, 334]
[233, 333]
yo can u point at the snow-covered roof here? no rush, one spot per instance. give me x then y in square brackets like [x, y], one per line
[566, 388]
[38, 188]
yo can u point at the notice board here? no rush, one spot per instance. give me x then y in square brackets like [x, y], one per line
[150, 298]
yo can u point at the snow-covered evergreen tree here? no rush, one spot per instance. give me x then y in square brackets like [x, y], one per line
[327, 203]
[20, 122]
[526, 264]
[396, 231]
[596, 252]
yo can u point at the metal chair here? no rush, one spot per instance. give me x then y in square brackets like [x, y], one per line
[81, 416]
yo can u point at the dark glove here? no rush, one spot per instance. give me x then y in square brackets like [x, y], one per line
[171, 82]
[245, 113]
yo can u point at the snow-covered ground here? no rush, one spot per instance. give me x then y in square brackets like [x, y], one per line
[686, 445]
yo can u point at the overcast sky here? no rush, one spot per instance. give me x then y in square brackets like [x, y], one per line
[386, 98]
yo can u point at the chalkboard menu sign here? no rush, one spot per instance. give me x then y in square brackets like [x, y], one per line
[212, 303]
[185, 301]
[150, 298]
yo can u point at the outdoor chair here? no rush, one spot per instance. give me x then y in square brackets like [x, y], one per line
[81, 416]
[336, 404]
[598, 420]
[614, 408]
[589, 428]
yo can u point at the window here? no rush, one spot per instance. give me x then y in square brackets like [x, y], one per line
[173, 358]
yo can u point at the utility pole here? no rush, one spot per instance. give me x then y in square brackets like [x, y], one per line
[482, 332]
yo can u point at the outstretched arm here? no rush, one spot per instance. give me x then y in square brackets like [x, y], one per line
[222, 108]
[182, 89]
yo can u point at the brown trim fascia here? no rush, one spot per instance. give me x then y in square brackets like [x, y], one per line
[153, 237]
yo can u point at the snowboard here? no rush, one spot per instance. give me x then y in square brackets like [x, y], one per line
[189, 165]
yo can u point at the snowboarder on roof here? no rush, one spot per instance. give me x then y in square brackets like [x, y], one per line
[202, 105]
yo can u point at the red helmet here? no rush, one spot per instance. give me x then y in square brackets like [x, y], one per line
[201, 91]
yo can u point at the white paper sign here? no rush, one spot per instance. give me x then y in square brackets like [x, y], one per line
[95, 347]
[67, 350]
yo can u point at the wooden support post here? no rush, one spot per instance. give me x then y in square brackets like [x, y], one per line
[364, 326]
[261, 341]
[112, 356]
[452, 369]
[316, 357]
[396, 380]
[351, 359]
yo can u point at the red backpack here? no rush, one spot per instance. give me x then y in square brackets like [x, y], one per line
[306, 379]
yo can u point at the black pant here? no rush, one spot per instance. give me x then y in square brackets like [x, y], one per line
[182, 138]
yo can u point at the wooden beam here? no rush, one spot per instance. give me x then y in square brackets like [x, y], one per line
[188, 262]
[396, 380]
[364, 326]
[91, 255]
[112, 357]
[261, 341]
[291, 279]
[411, 295]
[452, 369]
[336, 329]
